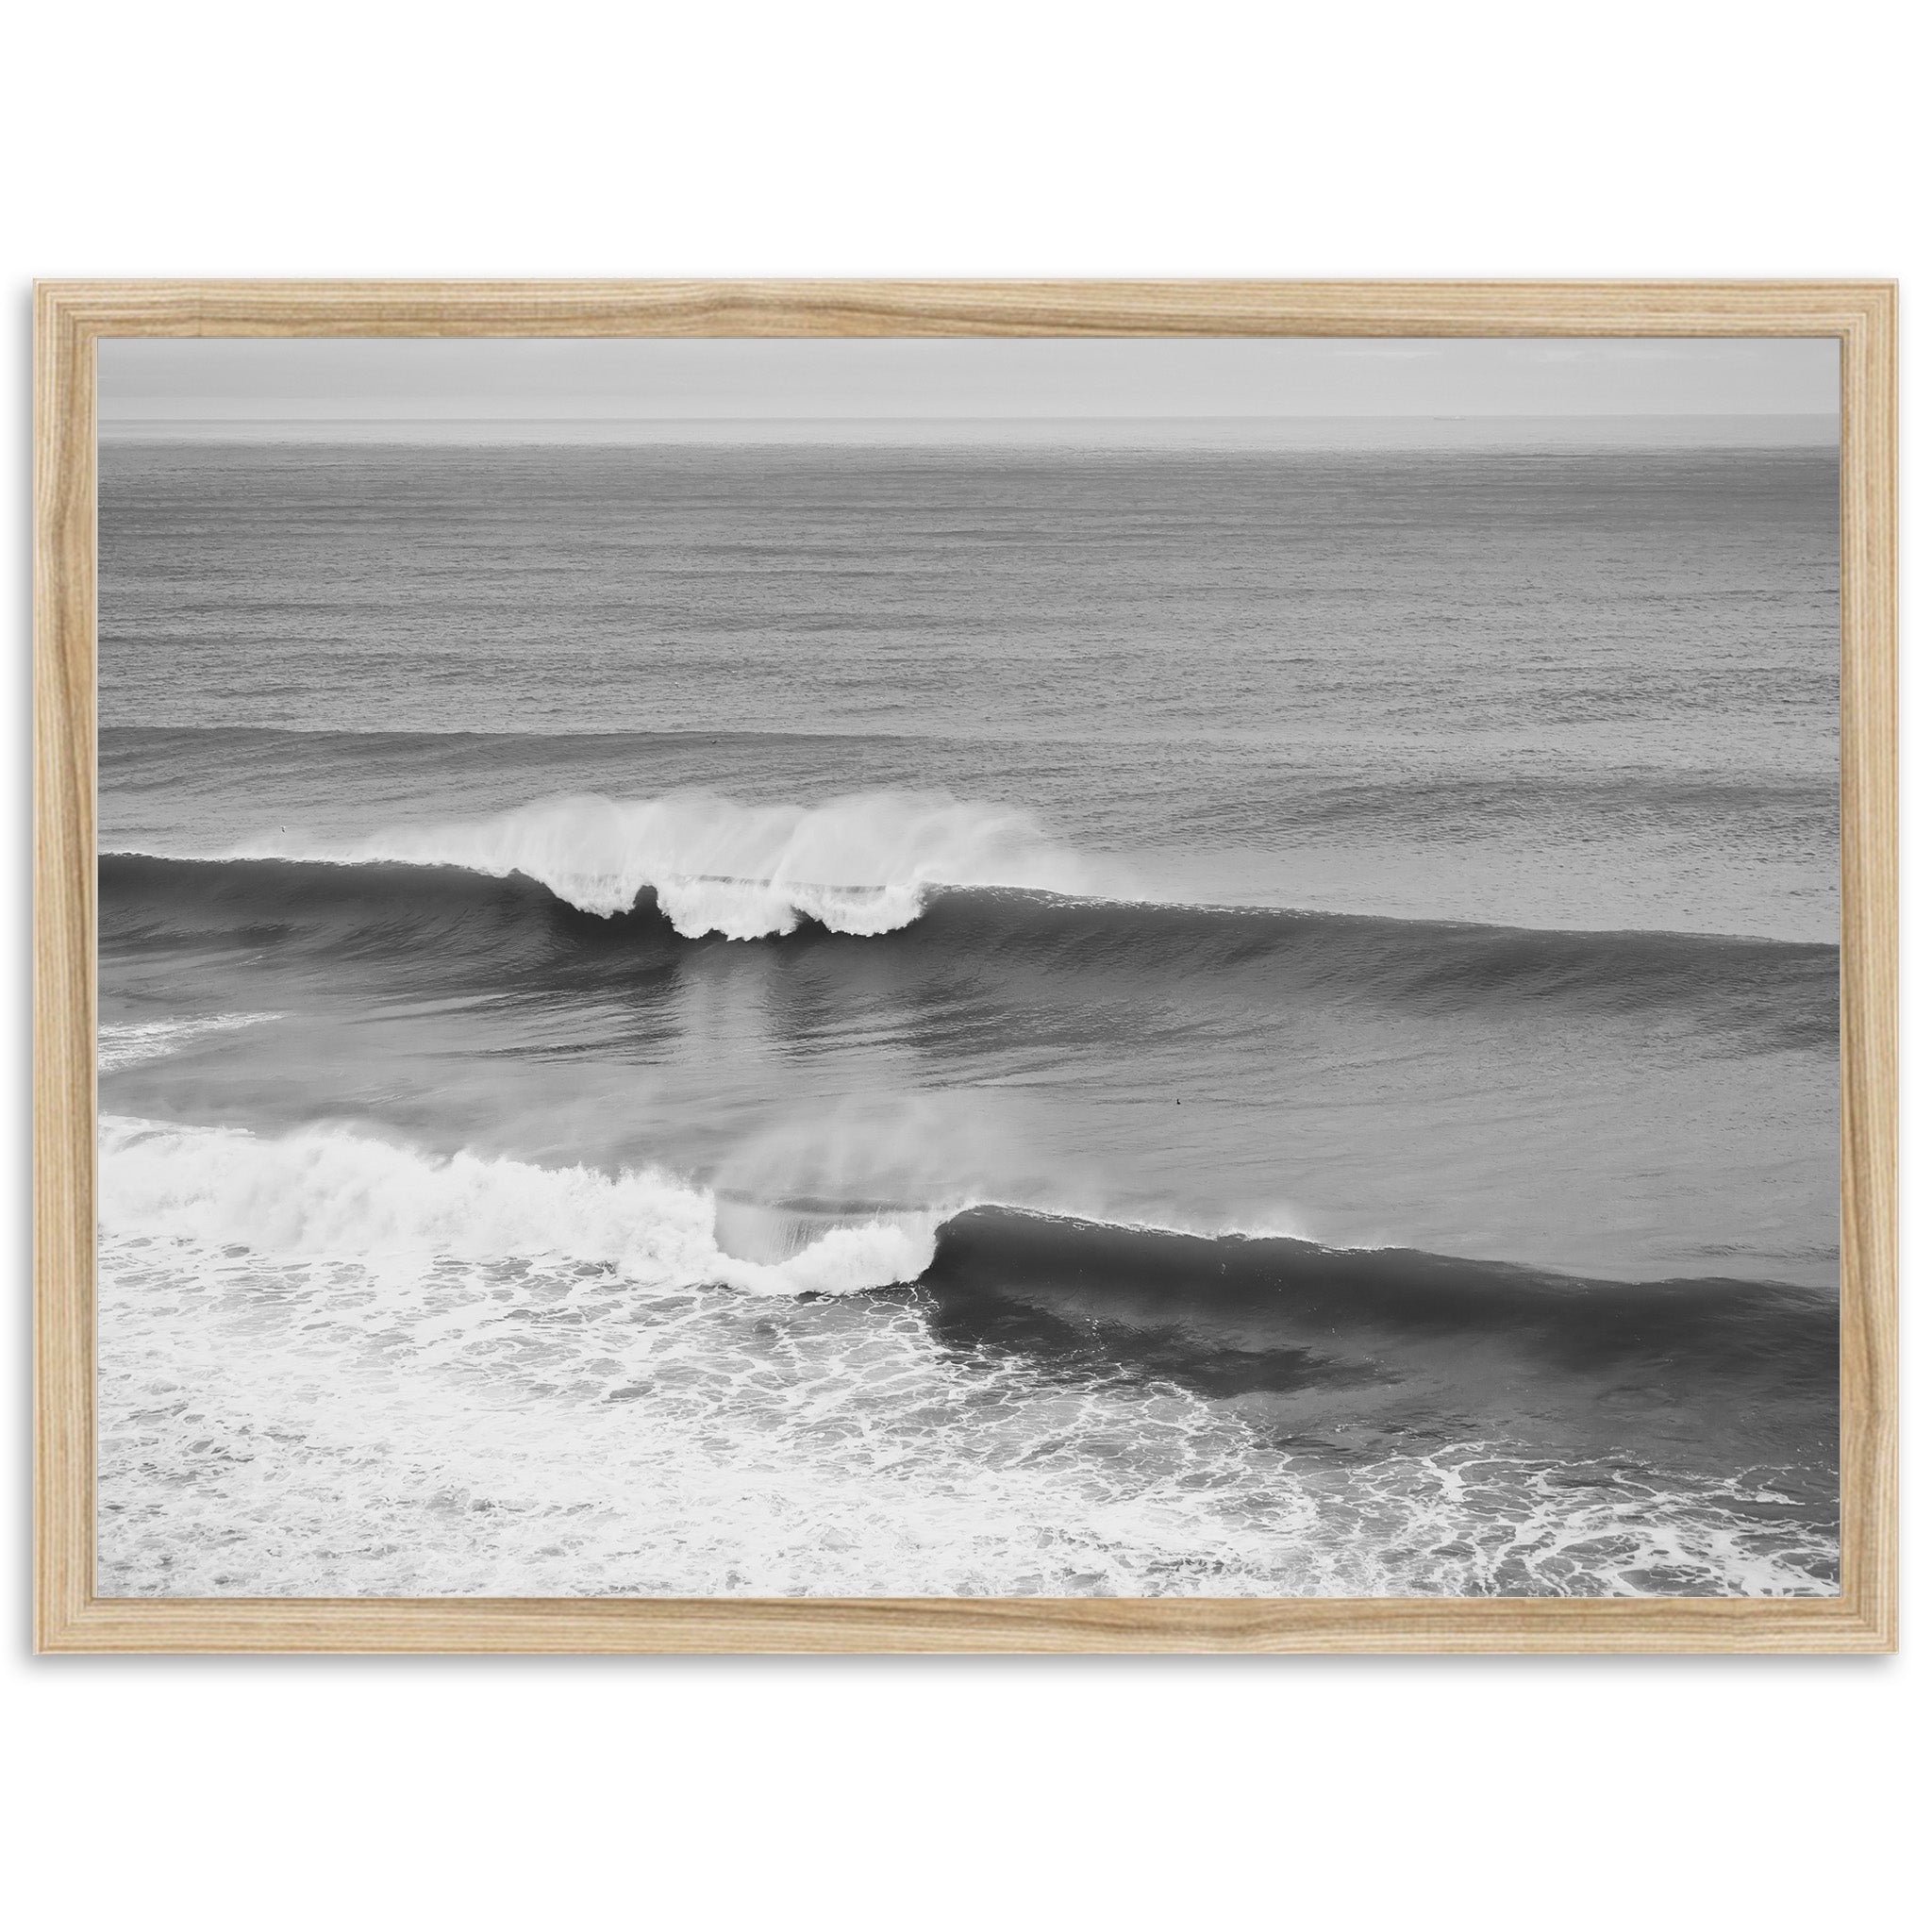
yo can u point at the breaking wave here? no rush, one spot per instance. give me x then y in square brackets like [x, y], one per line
[329, 1194]
[854, 865]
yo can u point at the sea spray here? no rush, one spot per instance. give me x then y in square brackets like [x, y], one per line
[326, 1193]
[854, 864]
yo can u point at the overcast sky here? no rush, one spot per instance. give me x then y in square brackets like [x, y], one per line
[1011, 382]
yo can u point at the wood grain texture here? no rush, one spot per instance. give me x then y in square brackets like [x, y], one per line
[71, 316]
[64, 957]
[1868, 1024]
[966, 308]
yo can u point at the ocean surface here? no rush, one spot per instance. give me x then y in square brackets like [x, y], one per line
[711, 1019]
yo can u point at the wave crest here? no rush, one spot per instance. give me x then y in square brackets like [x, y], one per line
[327, 1195]
[856, 865]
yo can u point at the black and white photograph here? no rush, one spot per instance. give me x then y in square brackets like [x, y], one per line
[969, 968]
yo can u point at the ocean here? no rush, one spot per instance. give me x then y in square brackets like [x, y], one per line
[713, 1018]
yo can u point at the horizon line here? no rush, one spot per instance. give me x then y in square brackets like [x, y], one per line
[1706, 428]
[1301, 416]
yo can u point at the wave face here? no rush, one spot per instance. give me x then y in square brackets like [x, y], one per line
[1237, 1313]
[1757, 993]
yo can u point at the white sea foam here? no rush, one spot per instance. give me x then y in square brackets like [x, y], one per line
[127, 1043]
[327, 1195]
[856, 865]
[308, 1429]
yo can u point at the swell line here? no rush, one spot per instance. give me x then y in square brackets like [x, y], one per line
[458, 925]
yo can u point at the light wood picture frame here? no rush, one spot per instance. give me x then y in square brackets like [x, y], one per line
[74, 316]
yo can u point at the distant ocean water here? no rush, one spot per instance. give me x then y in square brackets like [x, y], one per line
[931, 1020]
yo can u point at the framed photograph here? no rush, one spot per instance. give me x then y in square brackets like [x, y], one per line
[961, 966]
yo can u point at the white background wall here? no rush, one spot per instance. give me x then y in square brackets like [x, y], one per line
[998, 138]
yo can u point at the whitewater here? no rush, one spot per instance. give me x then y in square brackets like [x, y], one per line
[325, 1194]
[856, 865]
